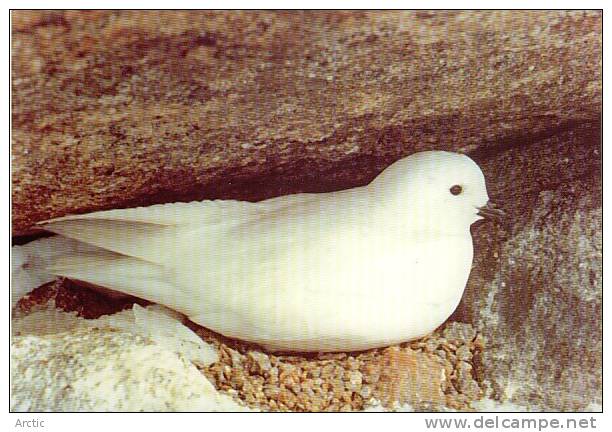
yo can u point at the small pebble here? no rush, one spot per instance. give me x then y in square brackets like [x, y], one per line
[463, 353]
[260, 361]
[459, 333]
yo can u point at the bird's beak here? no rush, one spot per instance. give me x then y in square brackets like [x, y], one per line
[492, 212]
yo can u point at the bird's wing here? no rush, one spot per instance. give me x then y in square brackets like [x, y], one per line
[146, 232]
[162, 214]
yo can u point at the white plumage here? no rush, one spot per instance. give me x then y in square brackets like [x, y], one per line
[340, 271]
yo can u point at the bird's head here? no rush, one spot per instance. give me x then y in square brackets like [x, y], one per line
[436, 190]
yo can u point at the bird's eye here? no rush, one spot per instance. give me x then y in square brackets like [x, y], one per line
[456, 190]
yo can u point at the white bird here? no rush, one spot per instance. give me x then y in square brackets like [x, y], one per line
[341, 271]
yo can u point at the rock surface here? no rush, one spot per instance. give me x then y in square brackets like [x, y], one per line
[117, 109]
[60, 362]
[536, 287]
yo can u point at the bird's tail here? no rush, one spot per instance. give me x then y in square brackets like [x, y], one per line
[42, 261]
[114, 272]
[30, 262]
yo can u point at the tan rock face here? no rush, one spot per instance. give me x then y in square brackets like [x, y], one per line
[413, 378]
[118, 109]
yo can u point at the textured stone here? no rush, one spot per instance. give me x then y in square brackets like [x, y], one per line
[459, 333]
[535, 288]
[260, 362]
[122, 108]
[76, 366]
[412, 378]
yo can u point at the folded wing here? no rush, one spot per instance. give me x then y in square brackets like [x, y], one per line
[146, 233]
